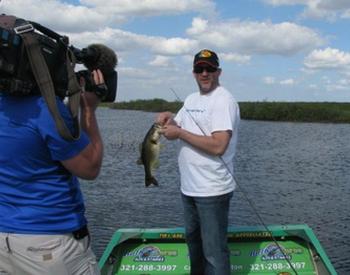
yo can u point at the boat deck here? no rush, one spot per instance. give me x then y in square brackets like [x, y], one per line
[164, 251]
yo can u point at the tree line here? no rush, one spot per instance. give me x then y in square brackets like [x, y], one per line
[271, 111]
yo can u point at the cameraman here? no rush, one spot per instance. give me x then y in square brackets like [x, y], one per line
[43, 229]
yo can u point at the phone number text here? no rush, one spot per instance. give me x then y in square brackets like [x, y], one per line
[131, 267]
[276, 266]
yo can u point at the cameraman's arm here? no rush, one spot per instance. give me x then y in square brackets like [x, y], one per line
[88, 162]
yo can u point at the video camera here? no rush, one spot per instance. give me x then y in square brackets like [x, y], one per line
[16, 76]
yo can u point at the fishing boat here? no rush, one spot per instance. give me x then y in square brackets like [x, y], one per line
[274, 249]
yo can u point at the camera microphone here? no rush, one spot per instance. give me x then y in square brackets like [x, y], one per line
[99, 56]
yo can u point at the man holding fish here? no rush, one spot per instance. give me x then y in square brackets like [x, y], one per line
[206, 127]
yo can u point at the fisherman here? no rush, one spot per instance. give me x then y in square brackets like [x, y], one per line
[43, 229]
[206, 126]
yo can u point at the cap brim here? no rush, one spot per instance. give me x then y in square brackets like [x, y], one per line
[205, 62]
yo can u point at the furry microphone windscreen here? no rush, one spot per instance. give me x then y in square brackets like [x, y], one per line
[105, 58]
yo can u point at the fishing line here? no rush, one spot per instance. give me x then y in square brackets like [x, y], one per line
[241, 189]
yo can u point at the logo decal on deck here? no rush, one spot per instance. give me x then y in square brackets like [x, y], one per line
[270, 253]
[147, 254]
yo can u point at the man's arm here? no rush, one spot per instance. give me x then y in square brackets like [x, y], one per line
[87, 163]
[215, 144]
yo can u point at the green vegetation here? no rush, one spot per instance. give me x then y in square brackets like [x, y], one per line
[153, 105]
[273, 111]
[296, 111]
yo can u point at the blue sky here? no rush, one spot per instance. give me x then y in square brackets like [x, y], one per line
[270, 50]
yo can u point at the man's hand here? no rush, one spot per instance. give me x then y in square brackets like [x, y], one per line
[171, 132]
[89, 100]
[165, 118]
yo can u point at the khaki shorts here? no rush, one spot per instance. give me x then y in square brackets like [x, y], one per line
[46, 255]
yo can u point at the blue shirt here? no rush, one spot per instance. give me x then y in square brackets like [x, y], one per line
[37, 194]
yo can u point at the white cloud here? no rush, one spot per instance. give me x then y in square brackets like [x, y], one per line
[89, 15]
[151, 7]
[345, 82]
[127, 41]
[250, 37]
[135, 73]
[334, 84]
[171, 46]
[161, 61]
[327, 59]
[313, 86]
[330, 9]
[57, 15]
[236, 58]
[269, 80]
[286, 2]
[199, 26]
[289, 82]
[338, 86]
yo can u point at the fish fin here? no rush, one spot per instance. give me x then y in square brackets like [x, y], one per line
[151, 180]
[139, 161]
[161, 146]
[156, 164]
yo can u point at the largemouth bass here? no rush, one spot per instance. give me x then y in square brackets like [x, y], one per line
[149, 150]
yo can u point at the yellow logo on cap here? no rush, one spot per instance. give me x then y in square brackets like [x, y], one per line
[205, 54]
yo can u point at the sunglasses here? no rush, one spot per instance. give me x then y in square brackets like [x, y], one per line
[201, 69]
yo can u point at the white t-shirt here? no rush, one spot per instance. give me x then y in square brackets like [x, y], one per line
[203, 174]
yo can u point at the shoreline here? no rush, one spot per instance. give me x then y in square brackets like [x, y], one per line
[324, 112]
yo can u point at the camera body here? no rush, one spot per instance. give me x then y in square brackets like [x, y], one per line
[16, 77]
[106, 92]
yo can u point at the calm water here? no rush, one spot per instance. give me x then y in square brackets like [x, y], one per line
[294, 173]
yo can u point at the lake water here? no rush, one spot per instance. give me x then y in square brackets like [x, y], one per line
[294, 173]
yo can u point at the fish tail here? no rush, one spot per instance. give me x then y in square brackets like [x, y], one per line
[151, 180]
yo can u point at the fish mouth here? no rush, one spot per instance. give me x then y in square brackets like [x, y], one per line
[157, 126]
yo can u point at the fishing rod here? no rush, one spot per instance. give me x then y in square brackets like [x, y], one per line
[242, 190]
